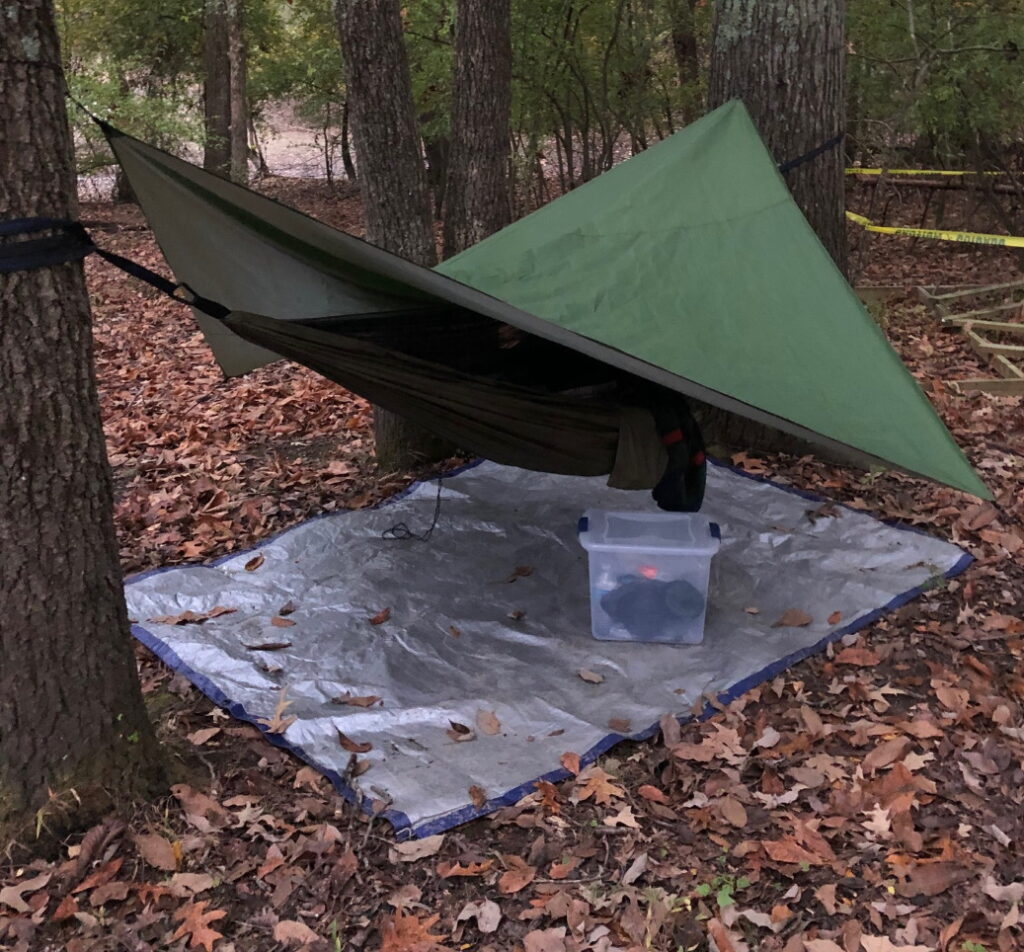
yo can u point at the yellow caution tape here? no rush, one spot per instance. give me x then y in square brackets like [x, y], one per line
[970, 237]
[856, 171]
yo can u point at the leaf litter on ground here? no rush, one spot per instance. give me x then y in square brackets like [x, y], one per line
[883, 814]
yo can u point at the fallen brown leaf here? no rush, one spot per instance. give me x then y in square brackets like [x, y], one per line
[477, 796]
[158, 851]
[860, 657]
[353, 747]
[886, 754]
[367, 701]
[517, 877]
[404, 932]
[193, 618]
[460, 733]
[451, 870]
[733, 811]
[488, 722]
[278, 723]
[789, 851]
[11, 896]
[293, 932]
[195, 923]
[933, 879]
[595, 782]
[652, 793]
[571, 762]
[412, 850]
[793, 618]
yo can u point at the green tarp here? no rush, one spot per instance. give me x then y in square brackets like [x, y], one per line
[688, 265]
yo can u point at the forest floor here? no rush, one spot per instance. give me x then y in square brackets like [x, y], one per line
[870, 798]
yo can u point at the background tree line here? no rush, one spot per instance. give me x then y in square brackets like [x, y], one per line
[930, 81]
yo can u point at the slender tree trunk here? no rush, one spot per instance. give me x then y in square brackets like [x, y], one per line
[786, 60]
[478, 199]
[346, 144]
[687, 54]
[257, 150]
[239, 98]
[74, 735]
[438, 154]
[123, 191]
[392, 176]
[216, 89]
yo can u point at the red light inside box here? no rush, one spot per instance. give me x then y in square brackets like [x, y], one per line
[648, 571]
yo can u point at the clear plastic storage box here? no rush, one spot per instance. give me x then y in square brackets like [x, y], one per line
[649, 574]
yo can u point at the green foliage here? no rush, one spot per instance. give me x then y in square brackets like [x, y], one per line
[298, 59]
[936, 82]
[589, 73]
[138, 63]
[939, 80]
[724, 888]
[133, 63]
[429, 26]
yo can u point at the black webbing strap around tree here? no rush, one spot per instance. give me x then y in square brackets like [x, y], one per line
[813, 154]
[69, 241]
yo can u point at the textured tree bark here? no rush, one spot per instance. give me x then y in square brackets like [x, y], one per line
[239, 104]
[786, 59]
[74, 736]
[346, 144]
[216, 89]
[687, 54]
[392, 177]
[478, 201]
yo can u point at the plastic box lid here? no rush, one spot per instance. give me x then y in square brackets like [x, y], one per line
[677, 532]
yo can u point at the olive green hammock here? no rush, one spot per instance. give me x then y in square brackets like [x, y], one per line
[568, 341]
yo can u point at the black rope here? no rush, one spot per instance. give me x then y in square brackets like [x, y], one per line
[105, 126]
[400, 531]
[813, 154]
[71, 242]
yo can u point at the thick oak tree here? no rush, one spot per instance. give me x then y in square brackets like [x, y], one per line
[74, 735]
[392, 173]
[786, 59]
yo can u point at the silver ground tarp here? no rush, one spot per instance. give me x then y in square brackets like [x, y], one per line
[467, 633]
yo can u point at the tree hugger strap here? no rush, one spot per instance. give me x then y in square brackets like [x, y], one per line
[68, 241]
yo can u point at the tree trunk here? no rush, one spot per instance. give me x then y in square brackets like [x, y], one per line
[392, 177]
[346, 144]
[239, 98]
[123, 191]
[477, 197]
[216, 89]
[687, 54]
[786, 60]
[74, 736]
[438, 154]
